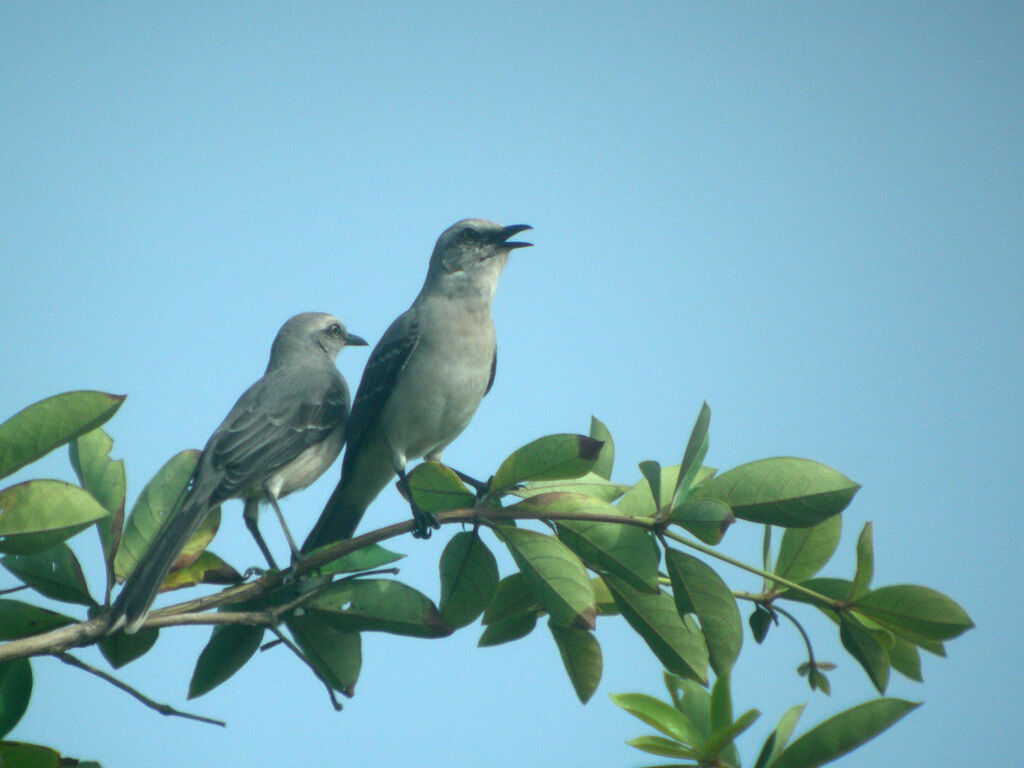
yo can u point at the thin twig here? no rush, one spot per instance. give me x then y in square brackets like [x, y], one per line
[163, 709]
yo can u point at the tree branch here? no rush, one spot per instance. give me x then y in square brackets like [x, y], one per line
[198, 610]
[163, 709]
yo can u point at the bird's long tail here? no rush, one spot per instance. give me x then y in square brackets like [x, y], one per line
[338, 521]
[140, 590]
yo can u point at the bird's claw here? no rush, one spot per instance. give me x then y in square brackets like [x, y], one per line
[425, 521]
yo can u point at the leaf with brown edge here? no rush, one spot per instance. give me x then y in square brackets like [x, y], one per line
[554, 457]
[207, 568]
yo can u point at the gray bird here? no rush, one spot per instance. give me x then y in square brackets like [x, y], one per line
[281, 435]
[425, 378]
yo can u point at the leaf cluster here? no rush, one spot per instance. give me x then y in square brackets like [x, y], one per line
[642, 552]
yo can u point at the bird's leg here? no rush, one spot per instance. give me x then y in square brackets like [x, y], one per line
[284, 527]
[424, 519]
[252, 518]
[480, 488]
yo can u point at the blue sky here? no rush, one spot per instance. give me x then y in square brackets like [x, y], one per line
[809, 216]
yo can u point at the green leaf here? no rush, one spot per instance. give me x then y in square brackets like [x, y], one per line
[905, 659]
[695, 704]
[865, 564]
[22, 755]
[660, 716]
[720, 721]
[379, 605]
[556, 504]
[651, 471]
[581, 656]
[785, 491]
[778, 739]
[696, 450]
[513, 597]
[363, 559]
[158, 499]
[554, 457]
[721, 704]
[603, 598]
[121, 648]
[336, 655]
[834, 589]
[39, 514]
[606, 456]
[229, 648]
[868, 652]
[920, 610]
[512, 613]
[508, 629]
[707, 519]
[627, 551]
[657, 745]
[35, 431]
[19, 619]
[805, 551]
[722, 740]
[436, 488]
[818, 682]
[638, 501]
[697, 588]
[843, 733]
[469, 579]
[590, 484]
[200, 540]
[677, 643]
[104, 478]
[54, 573]
[554, 574]
[15, 692]
[208, 568]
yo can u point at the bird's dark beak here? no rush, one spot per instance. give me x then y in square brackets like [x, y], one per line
[352, 340]
[510, 231]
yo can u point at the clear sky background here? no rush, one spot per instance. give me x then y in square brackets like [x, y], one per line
[808, 215]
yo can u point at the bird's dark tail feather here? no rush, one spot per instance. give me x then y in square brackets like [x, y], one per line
[338, 521]
[140, 590]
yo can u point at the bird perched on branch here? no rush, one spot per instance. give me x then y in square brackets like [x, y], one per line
[281, 435]
[425, 378]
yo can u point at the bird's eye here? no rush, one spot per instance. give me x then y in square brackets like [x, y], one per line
[334, 330]
[470, 235]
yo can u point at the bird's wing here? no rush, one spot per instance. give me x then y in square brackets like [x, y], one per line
[277, 418]
[494, 369]
[378, 382]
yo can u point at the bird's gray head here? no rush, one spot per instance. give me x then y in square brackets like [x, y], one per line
[307, 335]
[470, 255]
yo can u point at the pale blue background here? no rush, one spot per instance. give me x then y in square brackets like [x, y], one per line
[808, 215]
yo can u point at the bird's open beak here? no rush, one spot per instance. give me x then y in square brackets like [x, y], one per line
[352, 340]
[510, 231]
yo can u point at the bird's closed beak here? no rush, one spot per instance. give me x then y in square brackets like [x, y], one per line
[352, 340]
[510, 231]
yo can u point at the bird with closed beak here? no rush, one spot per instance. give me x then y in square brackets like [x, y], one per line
[280, 436]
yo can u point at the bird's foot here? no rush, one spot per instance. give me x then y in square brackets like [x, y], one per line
[253, 573]
[480, 488]
[425, 521]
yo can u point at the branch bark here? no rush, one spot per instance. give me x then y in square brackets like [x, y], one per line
[199, 610]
